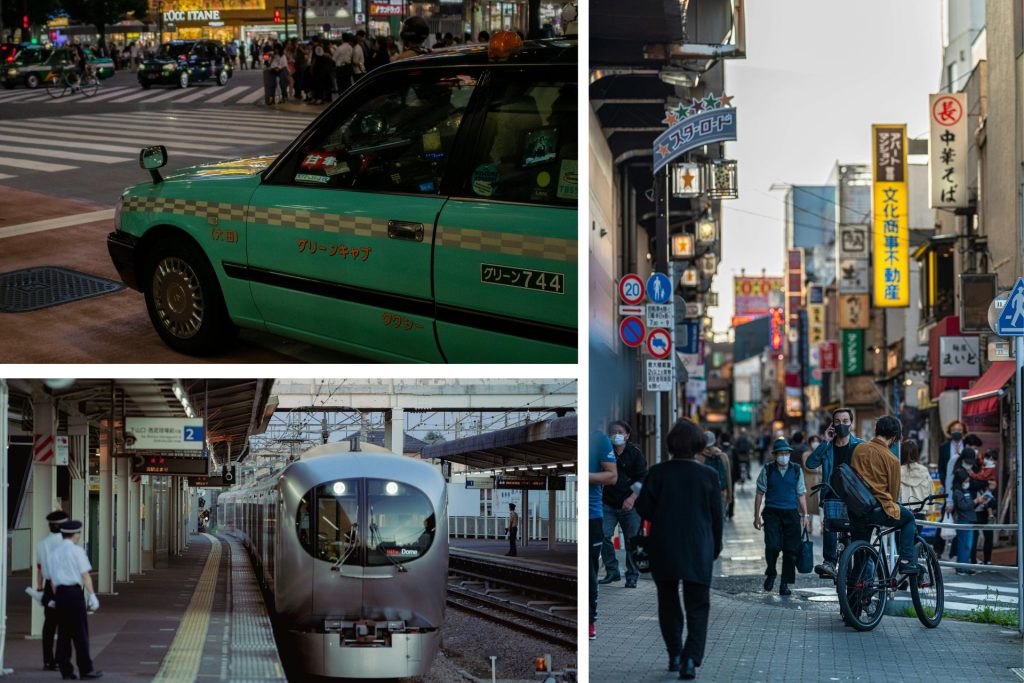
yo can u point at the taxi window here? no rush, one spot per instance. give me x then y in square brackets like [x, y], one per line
[529, 149]
[397, 138]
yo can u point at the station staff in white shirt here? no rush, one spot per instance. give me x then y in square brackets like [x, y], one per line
[44, 549]
[69, 572]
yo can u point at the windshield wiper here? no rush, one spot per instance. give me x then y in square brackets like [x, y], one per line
[351, 545]
[377, 540]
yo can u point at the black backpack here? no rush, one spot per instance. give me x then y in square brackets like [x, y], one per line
[855, 493]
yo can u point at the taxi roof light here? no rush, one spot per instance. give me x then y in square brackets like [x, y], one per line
[503, 45]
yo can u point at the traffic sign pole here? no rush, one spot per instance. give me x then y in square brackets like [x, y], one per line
[1018, 347]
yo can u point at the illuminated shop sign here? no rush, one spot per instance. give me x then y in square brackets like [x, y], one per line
[192, 15]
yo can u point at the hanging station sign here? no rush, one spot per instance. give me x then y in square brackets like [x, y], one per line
[890, 219]
[701, 122]
[947, 150]
[164, 434]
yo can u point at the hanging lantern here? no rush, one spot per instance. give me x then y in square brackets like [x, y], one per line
[682, 246]
[690, 278]
[722, 179]
[708, 264]
[707, 232]
[686, 180]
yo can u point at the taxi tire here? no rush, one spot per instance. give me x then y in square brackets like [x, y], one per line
[32, 81]
[222, 77]
[183, 80]
[145, 86]
[216, 330]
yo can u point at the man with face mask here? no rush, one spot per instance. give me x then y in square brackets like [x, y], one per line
[949, 452]
[617, 504]
[877, 462]
[835, 448]
[781, 486]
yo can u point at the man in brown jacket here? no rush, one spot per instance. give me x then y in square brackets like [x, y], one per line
[878, 464]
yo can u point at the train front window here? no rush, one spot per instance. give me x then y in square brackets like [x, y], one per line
[337, 521]
[400, 522]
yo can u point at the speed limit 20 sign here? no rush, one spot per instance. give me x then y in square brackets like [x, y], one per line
[631, 289]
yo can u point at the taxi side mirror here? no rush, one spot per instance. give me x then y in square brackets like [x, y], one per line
[152, 159]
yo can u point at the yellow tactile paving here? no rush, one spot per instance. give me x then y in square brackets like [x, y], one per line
[181, 663]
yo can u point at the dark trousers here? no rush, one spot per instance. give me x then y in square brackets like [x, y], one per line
[904, 537]
[983, 518]
[513, 534]
[49, 624]
[629, 522]
[72, 627]
[595, 537]
[697, 601]
[781, 535]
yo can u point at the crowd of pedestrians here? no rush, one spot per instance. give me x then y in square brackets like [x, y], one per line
[671, 515]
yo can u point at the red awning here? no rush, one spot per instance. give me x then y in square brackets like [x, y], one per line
[991, 383]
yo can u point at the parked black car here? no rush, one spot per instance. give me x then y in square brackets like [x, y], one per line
[183, 62]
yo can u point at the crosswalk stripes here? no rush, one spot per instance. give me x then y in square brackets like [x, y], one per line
[134, 94]
[62, 143]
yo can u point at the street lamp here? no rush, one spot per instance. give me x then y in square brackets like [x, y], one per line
[707, 231]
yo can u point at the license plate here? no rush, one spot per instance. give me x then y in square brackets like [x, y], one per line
[525, 278]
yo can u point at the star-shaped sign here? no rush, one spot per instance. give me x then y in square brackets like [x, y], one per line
[670, 118]
[697, 106]
[725, 100]
[710, 102]
[688, 179]
[663, 150]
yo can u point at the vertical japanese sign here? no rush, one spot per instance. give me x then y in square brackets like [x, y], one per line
[947, 150]
[853, 352]
[794, 283]
[890, 216]
[815, 324]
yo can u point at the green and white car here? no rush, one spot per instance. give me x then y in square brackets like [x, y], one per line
[429, 215]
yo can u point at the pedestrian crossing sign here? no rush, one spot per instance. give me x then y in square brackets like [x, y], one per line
[1011, 320]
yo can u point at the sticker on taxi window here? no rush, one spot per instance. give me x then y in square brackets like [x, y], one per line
[310, 178]
[541, 146]
[317, 161]
[485, 180]
[432, 141]
[568, 179]
[525, 278]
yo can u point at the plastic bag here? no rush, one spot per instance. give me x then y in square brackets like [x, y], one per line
[944, 533]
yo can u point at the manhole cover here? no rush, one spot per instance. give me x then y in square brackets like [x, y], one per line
[32, 289]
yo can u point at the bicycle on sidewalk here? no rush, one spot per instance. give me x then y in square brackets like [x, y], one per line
[68, 81]
[867, 569]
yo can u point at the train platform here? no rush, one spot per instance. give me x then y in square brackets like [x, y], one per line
[563, 556]
[201, 619]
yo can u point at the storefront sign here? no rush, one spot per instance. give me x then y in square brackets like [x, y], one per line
[959, 357]
[891, 211]
[794, 282]
[829, 355]
[815, 324]
[854, 276]
[853, 241]
[378, 10]
[685, 179]
[854, 312]
[192, 15]
[752, 295]
[947, 150]
[853, 352]
[743, 413]
[701, 122]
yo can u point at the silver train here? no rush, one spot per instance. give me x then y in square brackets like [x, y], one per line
[353, 549]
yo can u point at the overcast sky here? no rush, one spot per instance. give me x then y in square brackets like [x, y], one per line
[816, 76]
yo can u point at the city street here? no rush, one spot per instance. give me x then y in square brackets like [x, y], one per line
[63, 164]
[758, 636]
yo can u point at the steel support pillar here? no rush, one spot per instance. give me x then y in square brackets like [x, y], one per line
[44, 429]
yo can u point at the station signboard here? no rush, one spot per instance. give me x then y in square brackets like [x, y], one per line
[528, 483]
[164, 434]
[207, 482]
[480, 482]
[170, 465]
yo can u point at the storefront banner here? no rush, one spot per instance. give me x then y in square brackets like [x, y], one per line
[752, 295]
[959, 357]
[853, 242]
[854, 276]
[890, 219]
[815, 324]
[947, 150]
[853, 352]
[701, 122]
[854, 312]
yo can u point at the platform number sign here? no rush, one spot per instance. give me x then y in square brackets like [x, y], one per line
[192, 433]
[631, 289]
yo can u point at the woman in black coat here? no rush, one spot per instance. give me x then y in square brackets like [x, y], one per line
[681, 500]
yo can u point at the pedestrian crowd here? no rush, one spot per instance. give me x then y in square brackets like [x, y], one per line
[669, 517]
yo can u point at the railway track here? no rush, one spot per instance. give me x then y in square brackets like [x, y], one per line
[528, 599]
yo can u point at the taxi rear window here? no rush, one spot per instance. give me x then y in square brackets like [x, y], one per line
[398, 138]
[529, 150]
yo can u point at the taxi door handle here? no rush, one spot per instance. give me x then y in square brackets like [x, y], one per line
[404, 230]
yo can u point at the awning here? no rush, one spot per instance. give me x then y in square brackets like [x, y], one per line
[991, 383]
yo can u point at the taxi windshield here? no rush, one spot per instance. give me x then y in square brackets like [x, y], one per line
[174, 50]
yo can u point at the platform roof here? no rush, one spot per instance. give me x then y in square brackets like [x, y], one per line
[549, 442]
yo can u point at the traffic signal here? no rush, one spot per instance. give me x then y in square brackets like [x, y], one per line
[24, 22]
[229, 475]
[277, 17]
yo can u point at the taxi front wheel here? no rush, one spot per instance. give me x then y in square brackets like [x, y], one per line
[185, 302]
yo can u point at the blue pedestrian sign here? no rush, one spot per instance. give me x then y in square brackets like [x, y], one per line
[1011, 320]
[659, 288]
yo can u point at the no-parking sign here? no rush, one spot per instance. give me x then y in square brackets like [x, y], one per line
[631, 331]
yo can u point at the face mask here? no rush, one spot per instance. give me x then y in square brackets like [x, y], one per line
[966, 485]
[782, 460]
[990, 463]
[618, 439]
[813, 445]
[957, 436]
[843, 430]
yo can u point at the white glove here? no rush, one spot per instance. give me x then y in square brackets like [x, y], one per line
[34, 594]
[93, 602]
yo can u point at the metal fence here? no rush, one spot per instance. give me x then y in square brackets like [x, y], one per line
[494, 528]
[974, 527]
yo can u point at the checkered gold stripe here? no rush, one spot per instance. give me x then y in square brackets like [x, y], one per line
[508, 244]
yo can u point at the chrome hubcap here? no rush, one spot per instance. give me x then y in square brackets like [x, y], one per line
[178, 297]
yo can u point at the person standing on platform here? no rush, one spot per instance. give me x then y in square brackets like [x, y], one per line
[44, 549]
[618, 501]
[835, 448]
[513, 529]
[682, 500]
[781, 486]
[602, 472]
[69, 572]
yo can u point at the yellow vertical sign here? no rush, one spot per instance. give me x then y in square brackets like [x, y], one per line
[890, 220]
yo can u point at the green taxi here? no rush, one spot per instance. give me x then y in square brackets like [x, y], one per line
[428, 215]
[32, 65]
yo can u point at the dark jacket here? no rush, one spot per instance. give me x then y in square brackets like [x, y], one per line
[632, 467]
[945, 449]
[681, 500]
[963, 503]
[824, 457]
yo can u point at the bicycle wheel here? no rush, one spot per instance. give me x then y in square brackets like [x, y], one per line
[862, 586]
[90, 86]
[56, 86]
[926, 588]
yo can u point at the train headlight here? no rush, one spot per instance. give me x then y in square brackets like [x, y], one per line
[391, 488]
[338, 488]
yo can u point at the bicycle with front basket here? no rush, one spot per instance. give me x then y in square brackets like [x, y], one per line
[866, 576]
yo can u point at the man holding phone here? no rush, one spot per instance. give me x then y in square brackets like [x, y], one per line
[836, 447]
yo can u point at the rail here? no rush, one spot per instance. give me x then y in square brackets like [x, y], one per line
[973, 527]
